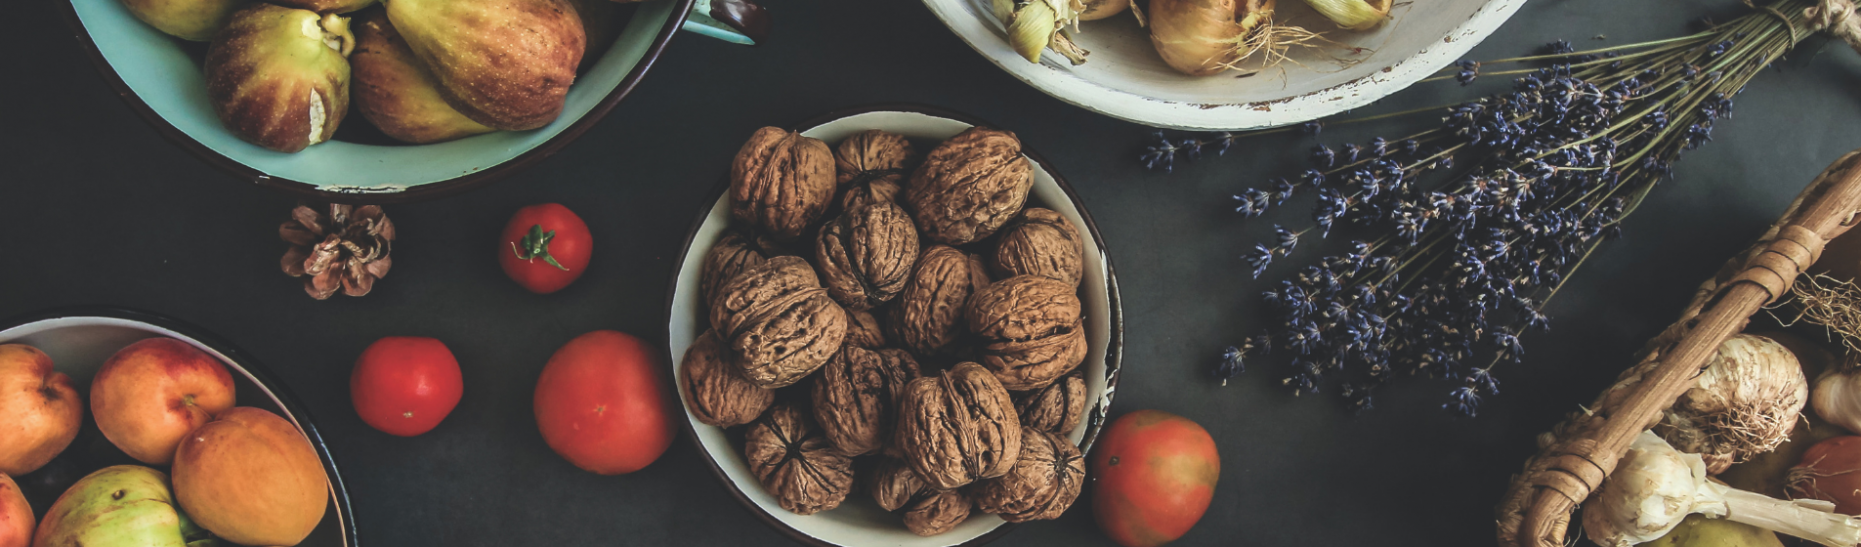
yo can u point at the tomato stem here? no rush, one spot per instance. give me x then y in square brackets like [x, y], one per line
[536, 245]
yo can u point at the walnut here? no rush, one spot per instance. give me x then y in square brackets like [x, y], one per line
[885, 188]
[715, 390]
[1032, 330]
[866, 254]
[969, 186]
[1057, 407]
[872, 154]
[781, 182]
[1040, 242]
[1044, 482]
[777, 321]
[795, 463]
[733, 253]
[856, 397]
[958, 427]
[928, 315]
[863, 330]
[937, 512]
[894, 484]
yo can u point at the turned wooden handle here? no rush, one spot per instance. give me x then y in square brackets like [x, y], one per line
[1537, 510]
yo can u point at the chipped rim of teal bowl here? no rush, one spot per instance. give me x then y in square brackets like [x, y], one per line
[347, 172]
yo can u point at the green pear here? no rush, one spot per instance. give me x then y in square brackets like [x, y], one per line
[279, 77]
[1699, 531]
[121, 506]
[397, 93]
[503, 63]
[194, 20]
[601, 24]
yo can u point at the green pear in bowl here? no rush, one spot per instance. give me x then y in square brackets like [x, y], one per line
[396, 92]
[121, 506]
[279, 77]
[503, 63]
[194, 20]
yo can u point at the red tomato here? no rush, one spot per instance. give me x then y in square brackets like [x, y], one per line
[404, 385]
[1153, 474]
[602, 403]
[545, 247]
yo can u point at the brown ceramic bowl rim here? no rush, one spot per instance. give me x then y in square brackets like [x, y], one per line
[1114, 347]
[420, 192]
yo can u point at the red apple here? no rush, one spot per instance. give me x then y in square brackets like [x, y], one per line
[15, 516]
[151, 394]
[42, 410]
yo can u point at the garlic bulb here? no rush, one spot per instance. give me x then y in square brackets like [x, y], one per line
[1837, 397]
[1655, 487]
[1743, 403]
[1035, 25]
[1353, 14]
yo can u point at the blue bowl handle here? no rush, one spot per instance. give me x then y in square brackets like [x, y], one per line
[735, 21]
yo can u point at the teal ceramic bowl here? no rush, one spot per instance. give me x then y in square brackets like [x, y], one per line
[160, 77]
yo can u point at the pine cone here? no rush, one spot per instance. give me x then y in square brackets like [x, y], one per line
[345, 249]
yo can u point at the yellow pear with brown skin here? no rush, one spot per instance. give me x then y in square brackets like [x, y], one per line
[507, 64]
[252, 478]
[601, 24]
[279, 77]
[397, 93]
[195, 20]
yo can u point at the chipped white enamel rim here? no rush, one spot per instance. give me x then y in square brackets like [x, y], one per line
[1125, 79]
[859, 521]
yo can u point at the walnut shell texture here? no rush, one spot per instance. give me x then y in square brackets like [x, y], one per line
[863, 330]
[1032, 330]
[1057, 408]
[885, 188]
[734, 252]
[795, 463]
[781, 182]
[866, 254]
[894, 484]
[937, 512]
[1040, 242]
[1046, 479]
[958, 427]
[927, 317]
[715, 389]
[870, 154]
[778, 322]
[856, 398]
[969, 186]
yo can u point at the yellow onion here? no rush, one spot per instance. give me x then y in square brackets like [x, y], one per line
[1203, 37]
[1353, 14]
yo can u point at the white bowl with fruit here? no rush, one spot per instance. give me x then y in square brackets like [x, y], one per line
[139, 414]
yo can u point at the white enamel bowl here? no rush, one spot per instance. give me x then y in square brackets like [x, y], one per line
[1124, 78]
[859, 521]
[79, 340]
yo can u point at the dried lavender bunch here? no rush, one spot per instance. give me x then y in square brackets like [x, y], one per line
[1464, 230]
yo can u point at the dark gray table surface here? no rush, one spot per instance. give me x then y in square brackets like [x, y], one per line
[96, 208]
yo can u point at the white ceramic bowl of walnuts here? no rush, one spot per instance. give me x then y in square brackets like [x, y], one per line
[872, 273]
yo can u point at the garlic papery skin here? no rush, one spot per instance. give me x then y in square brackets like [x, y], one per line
[1743, 403]
[1654, 487]
[1837, 398]
[1353, 14]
